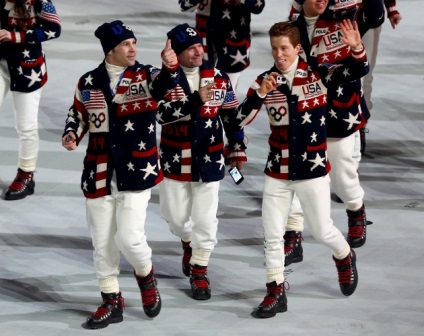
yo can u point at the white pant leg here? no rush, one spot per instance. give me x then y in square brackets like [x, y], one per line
[26, 106]
[276, 203]
[295, 221]
[4, 80]
[234, 79]
[370, 40]
[204, 221]
[26, 123]
[343, 173]
[314, 196]
[175, 201]
[357, 156]
[131, 209]
[101, 221]
[190, 209]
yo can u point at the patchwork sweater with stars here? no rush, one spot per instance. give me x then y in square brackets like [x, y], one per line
[225, 29]
[347, 108]
[298, 117]
[121, 127]
[25, 58]
[191, 149]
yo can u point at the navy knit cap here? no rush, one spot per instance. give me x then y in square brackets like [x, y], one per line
[113, 33]
[182, 37]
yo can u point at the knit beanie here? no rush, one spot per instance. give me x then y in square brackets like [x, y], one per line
[182, 37]
[113, 33]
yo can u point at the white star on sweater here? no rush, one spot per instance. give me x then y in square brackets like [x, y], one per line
[141, 145]
[306, 118]
[149, 170]
[35, 77]
[318, 161]
[207, 158]
[333, 114]
[352, 120]
[238, 58]
[166, 167]
[346, 72]
[89, 80]
[226, 14]
[221, 162]
[130, 166]
[50, 34]
[129, 126]
[177, 113]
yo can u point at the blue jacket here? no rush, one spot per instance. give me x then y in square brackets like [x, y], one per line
[121, 128]
[298, 117]
[193, 148]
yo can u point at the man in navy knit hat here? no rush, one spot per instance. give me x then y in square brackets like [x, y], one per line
[192, 153]
[116, 104]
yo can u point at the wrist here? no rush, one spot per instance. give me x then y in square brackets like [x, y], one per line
[359, 47]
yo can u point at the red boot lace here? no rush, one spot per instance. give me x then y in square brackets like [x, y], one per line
[345, 274]
[20, 181]
[149, 296]
[270, 300]
[200, 278]
[356, 231]
[102, 311]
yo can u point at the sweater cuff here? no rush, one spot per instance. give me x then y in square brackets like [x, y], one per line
[359, 53]
[17, 37]
[391, 11]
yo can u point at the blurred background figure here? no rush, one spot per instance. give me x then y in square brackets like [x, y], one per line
[224, 26]
[25, 25]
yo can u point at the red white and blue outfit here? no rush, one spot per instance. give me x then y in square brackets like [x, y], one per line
[23, 69]
[117, 107]
[297, 160]
[192, 157]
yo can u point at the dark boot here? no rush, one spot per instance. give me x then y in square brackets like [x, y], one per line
[348, 274]
[274, 302]
[186, 258]
[110, 311]
[22, 186]
[357, 222]
[200, 285]
[293, 249]
[149, 294]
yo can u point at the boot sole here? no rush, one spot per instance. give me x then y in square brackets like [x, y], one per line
[357, 244]
[281, 309]
[16, 197]
[295, 261]
[94, 327]
[156, 312]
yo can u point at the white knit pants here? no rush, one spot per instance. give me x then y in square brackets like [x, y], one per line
[190, 209]
[314, 196]
[344, 171]
[26, 106]
[116, 223]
